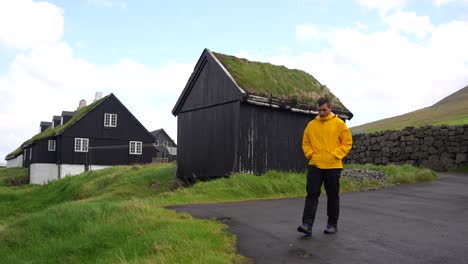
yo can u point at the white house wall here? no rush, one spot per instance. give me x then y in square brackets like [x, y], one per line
[98, 167]
[71, 170]
[16, 162]
[42, 173]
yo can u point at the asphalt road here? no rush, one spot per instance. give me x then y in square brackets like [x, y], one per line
[418, 223]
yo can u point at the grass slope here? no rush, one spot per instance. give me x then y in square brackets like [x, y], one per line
[452, 110]
[115, 216]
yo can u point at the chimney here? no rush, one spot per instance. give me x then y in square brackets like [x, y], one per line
[82, 104]
[98, 96]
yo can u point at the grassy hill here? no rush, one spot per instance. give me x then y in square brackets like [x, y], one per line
[452, 110]
[117, 215]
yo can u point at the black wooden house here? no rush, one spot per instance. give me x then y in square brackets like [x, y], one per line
[236, 115]
[99, 135]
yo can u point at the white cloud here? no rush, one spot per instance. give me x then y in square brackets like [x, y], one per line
[383, 6]
[44, 82]
[308, 32]
[409, 22]
[25, 24]
[440, 3]
[385, 73]
[108, 3]
[45, 78]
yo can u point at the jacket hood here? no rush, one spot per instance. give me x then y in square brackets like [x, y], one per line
[324, 119]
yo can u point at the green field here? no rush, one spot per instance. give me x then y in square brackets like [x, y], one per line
[117, 215]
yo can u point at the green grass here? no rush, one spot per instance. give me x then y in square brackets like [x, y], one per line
[454, 122]
[118, 182]
[114, 216]
[268, 80]
[452, 110]
[8, 174]
[49, 132]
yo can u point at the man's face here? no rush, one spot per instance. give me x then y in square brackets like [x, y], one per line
[324, 110]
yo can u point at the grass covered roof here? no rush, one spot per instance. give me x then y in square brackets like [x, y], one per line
[268, 80]
[49, 132]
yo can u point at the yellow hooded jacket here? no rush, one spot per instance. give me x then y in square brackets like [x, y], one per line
[326, 142]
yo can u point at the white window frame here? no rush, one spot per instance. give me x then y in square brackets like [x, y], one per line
[135, 148]
[30, 153]
[82, 146]
[110, 120]
[61, 120]
[157, 143]
[165, 143]
[51, 145]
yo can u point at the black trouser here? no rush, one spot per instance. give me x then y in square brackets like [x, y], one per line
[331, 178]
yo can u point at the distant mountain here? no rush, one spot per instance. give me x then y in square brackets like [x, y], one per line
[452, 110]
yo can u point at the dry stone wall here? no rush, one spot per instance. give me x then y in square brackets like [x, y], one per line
[435, 147]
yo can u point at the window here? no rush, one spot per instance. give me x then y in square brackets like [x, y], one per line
[136, 147]
[165, 143]
[81, 144]
[51, 145]
[30, 154]
[157, 143]
[110, 120]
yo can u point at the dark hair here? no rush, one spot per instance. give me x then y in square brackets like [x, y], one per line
[323, 100]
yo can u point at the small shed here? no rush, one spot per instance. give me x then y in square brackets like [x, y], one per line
[236, 115]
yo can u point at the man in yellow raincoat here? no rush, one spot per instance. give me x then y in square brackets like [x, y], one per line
[327, 140]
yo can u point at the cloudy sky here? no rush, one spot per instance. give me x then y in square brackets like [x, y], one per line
[381, 58]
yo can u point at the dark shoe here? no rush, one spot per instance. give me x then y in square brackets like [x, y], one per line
[305, 228]
[331, 229]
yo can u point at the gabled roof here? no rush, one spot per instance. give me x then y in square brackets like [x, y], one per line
[270, 85]
[49, 132]
[156, 133]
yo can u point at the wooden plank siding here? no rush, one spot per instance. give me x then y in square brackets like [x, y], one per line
[207, 141]
[104, 152]
[41, 153]
[270, 140]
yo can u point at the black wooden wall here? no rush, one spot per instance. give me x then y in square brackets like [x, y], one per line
[56, 121]
[41, 153]
[26, 159]
[206, 140]
[270, 139]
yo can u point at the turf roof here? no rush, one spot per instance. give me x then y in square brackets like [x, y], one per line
[49, 132]
[268, 80]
